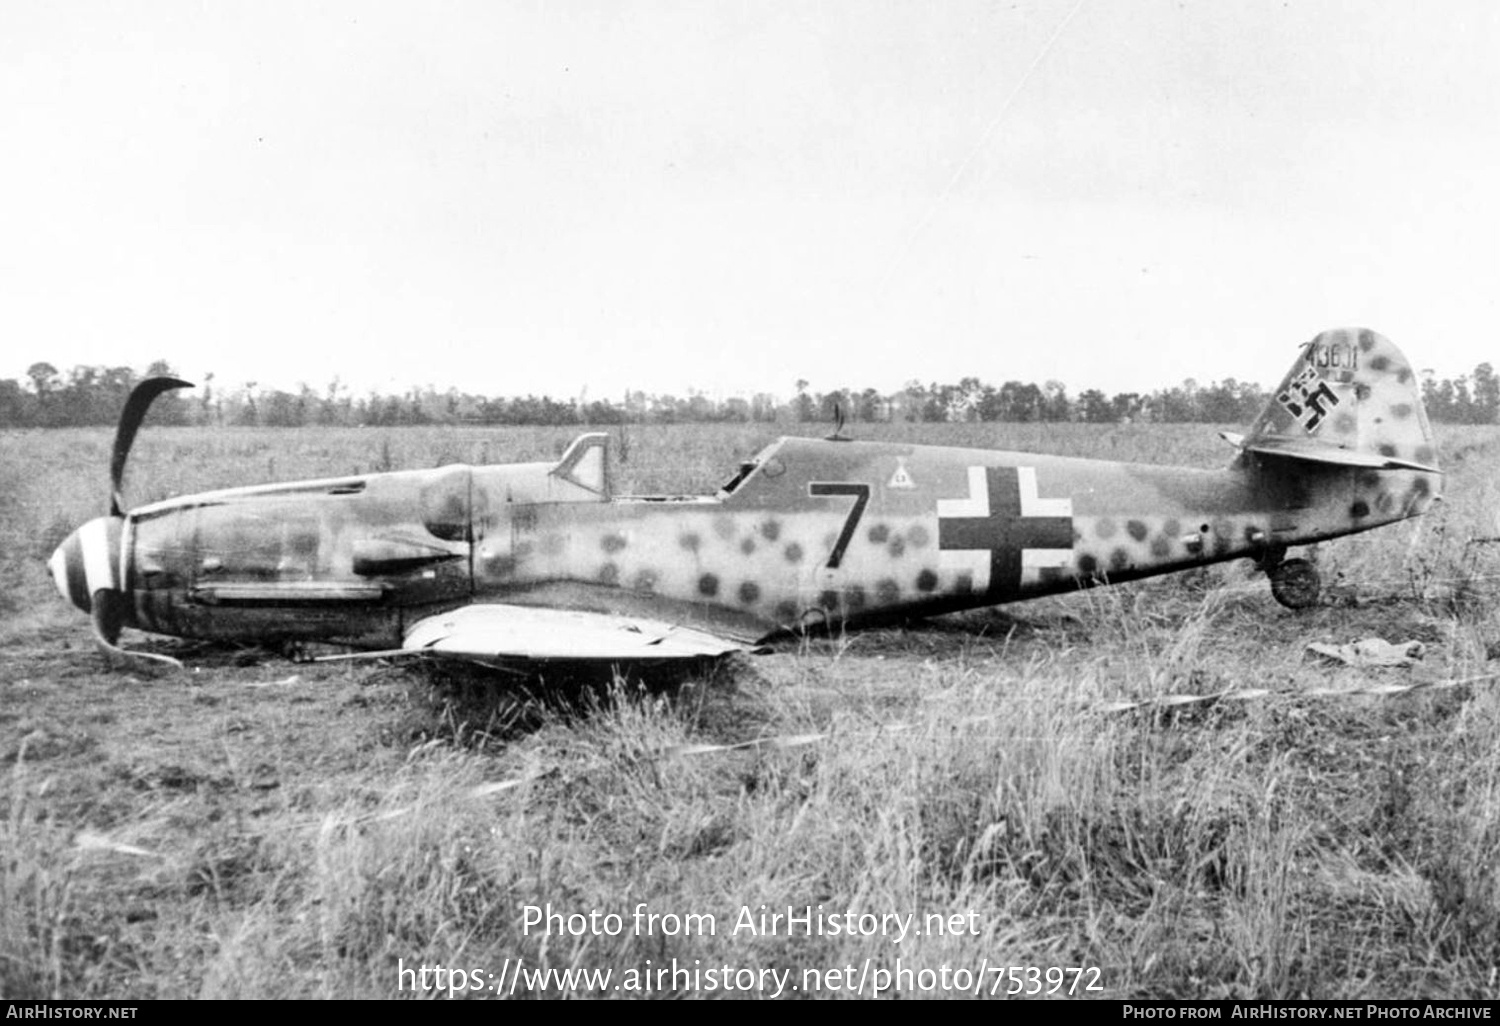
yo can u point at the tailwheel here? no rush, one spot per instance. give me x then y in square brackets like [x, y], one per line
[1295, 583]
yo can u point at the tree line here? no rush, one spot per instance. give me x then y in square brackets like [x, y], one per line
[92, 396]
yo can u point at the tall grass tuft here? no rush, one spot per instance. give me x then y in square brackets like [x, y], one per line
[37, 908]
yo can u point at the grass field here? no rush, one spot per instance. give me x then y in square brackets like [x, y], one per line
[261, 828]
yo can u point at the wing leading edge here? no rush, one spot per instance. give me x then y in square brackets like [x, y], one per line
[495, 633]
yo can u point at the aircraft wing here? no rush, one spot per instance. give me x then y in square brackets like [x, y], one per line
[495, 633]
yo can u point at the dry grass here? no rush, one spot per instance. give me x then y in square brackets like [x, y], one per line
[261, 829]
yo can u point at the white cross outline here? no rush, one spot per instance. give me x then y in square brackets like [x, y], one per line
[976, 562]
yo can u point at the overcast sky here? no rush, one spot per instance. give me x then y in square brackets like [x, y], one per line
[550, 197]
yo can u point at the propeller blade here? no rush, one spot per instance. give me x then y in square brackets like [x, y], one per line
[108, 616]
[838, 426]
[141, 398]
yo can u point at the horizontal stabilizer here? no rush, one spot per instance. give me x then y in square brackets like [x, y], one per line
[498, 633]
[1314, 451]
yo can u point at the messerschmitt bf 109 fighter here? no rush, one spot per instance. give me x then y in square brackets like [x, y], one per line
[543, 561]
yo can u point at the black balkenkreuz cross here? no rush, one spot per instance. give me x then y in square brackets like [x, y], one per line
[1004, 528]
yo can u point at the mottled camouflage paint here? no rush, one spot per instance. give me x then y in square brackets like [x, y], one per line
[815, 532]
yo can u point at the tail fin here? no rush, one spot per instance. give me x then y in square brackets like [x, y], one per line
[1351, 398]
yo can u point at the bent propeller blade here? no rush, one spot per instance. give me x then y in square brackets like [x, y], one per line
[141, 398]
[108, 615]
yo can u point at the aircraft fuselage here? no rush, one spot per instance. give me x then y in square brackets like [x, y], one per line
[815, 532]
